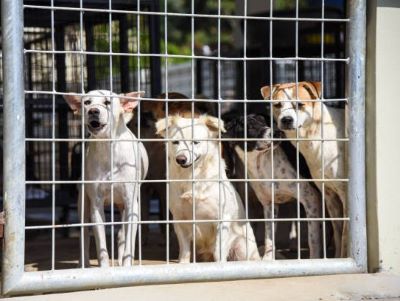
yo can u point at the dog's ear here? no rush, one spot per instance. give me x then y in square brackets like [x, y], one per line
[266, 91]
[74, 102]
[313, 88]
[162, 125]
[128, 104]
[214, 124]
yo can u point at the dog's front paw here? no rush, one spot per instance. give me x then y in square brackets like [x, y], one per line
[187, 197]
[185, 259]
[267, 256]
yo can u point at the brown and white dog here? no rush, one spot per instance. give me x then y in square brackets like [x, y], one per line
[193, 156]
[312, 119]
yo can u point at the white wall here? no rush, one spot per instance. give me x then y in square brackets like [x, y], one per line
[383, 132]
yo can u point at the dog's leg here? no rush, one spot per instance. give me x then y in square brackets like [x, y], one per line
[344, 247]
[121, 237]
[222, 245]
[121, 243]
[334, 207]
[268, 243]
[184, 244]
[97, 216]
[147, 191]
[85, 218]
[251, 244]
[132, 216]
[293, 231]
[311, 203]
[239, 250]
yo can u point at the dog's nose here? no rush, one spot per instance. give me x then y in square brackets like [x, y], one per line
[94, 112]
[181, 159]
[287, 120]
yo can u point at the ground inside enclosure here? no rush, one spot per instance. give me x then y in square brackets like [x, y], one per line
[354, 287]
[38, 249]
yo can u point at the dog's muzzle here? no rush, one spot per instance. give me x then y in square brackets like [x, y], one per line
[287, 123]
[94, 123]
[182, 161]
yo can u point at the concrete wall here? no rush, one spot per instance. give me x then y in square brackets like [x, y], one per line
[383, 135]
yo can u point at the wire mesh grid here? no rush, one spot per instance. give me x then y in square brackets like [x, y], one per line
[113, 47]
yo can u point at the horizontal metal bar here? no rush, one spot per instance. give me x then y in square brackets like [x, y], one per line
[184, 56]
[191, 15]
[189, 221]
[180, 181]
[89, 278]
[149, 99]
[171, 139]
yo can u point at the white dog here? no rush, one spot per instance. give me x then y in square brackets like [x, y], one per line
[104, 118]
[211, 200]
[315, 120]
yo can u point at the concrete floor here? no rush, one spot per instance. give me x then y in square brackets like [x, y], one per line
[320, 288]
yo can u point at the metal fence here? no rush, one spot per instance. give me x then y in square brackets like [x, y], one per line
[228, 78]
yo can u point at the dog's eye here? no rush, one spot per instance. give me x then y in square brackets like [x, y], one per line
[87, 102]
[301, 105]
[278, 105]
[196, 142]
[107, 102]
[175, 142]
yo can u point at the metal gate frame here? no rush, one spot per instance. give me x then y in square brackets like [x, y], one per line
[16, 282]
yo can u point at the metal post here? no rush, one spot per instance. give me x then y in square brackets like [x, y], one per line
[62, 106]
[124, 60]
[356, 159]
[14, 143]
[90, 59]
[155, 62]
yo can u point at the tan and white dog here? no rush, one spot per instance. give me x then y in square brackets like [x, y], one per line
[212, 200]
[105, 116]
[314, 120]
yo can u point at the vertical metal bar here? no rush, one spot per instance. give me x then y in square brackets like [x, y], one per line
[53, 144]
[322, 131]
[297, 135]
[112, 125]
[246, 184]
[271, 83]
[356, 94]
[155, 62]
[90, 59]
[124, 48]
[14, 142]
[220, 210]
[30, 162]
[62, 115]
[63, 111]
[191, 142]
[138, 185]
[138, 123]
[167, 184]
[83, 145]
